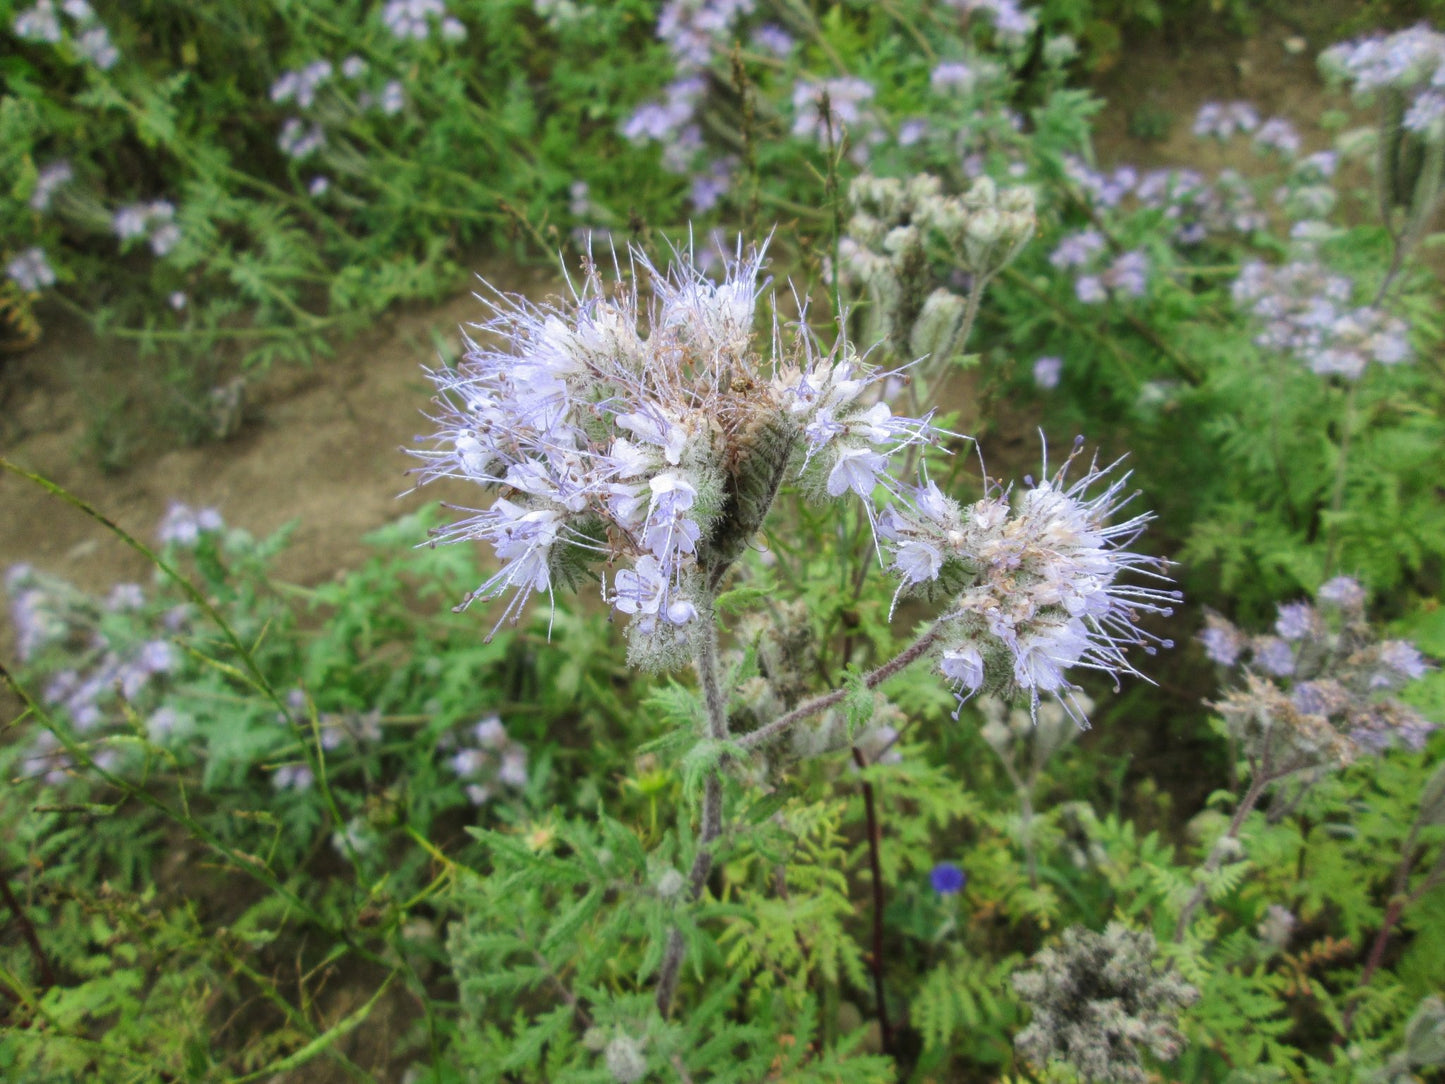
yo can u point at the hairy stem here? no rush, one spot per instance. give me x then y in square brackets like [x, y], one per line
[875, 865]
[711, 826]
[1259, 780]
[910, 654]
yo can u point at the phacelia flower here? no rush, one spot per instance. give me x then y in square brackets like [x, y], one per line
[650, 438]
[1304, 312]
[1319, 692]
[183, 525]
[31, 271]
[1034, 577]
[48, 181]
[486, 759]
[1409, 63]
[1047, 371]
[845, 98]
[1222, 119]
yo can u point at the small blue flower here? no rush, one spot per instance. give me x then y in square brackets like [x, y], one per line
[948, 879]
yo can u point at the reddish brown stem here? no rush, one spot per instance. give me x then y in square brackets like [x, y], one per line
[27, 930]
[875, 864]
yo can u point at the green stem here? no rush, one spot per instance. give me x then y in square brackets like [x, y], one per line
[711, 826]
[1257, 783]
[1337, 496]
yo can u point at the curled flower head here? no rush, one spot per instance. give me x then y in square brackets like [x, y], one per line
[1408, 65]
[650, 436]
[1317, 694]
[1034, 575]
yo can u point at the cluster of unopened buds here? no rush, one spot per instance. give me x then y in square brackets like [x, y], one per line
[1100, 1002]
[902, 233]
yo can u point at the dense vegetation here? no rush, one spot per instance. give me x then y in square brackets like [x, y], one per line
[758, 744]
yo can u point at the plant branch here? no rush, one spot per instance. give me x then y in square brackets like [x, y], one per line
[1258, 781]
[910, 654]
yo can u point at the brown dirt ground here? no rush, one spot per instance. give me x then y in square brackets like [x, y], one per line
[320, 445]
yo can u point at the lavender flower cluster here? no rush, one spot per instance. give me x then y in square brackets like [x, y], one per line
[1126, 275]
[335, 732]
[1034, 580]
[1406, 67]
[1222, 120]
[1195, 207]
[1306, 313]
[696, 32]
[652, 437]
[1011, 22]
[1317, 690]
[155, 221]
[415, 20]
[49, 180]
[486, 759]
[88, 36]
[30, 270]
[49, 614]
[356, 91]
[824, 108]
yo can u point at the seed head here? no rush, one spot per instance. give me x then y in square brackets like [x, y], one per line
[1099, 1001]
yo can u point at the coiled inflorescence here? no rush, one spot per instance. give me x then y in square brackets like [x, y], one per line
[1033, 580]
[650, 439]
[1317, 692]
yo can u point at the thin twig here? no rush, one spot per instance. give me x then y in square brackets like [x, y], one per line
[910, 654]
[1257, 783]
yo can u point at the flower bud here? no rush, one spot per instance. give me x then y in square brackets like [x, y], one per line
[1432, 800]
[985, 231]
[935, 332]
[625, 1060]
[1425, 1034]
